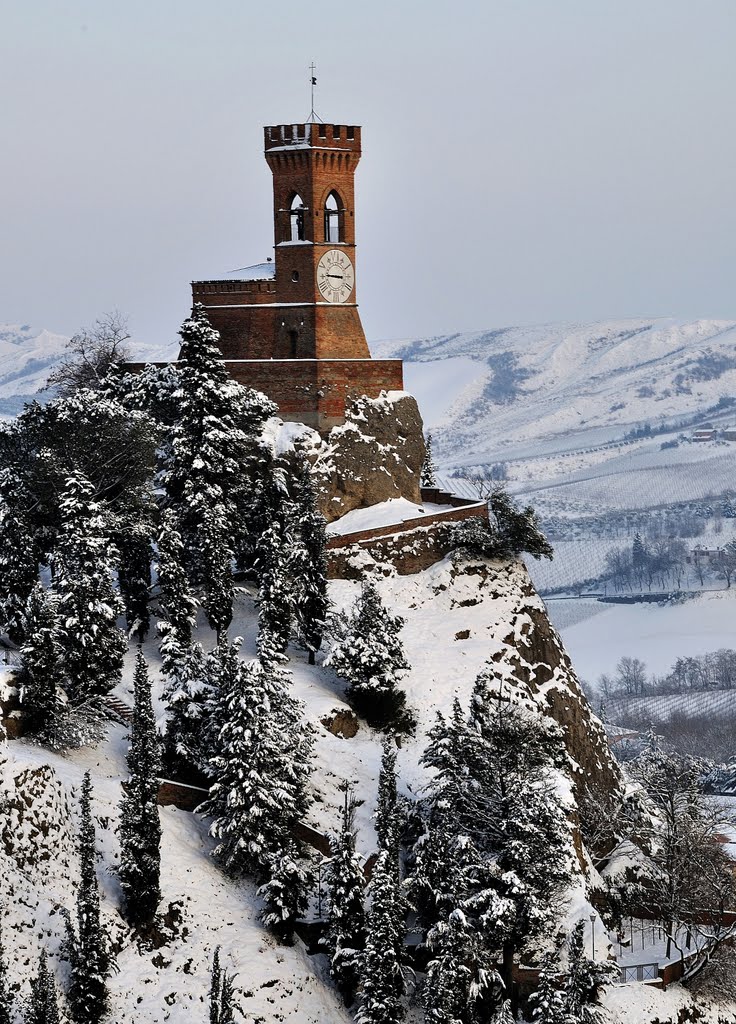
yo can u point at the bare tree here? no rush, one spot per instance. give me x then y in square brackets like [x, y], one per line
[91, 355]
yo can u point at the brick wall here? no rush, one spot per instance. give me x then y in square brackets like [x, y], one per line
[407, 552]
[464, 510]
[313, 391]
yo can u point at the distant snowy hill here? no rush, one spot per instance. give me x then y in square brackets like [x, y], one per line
[520, 391]
[27, 357]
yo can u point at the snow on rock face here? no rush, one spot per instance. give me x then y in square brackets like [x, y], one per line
[461, 616]
[375, 456]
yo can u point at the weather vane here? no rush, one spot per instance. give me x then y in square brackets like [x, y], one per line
[313, 116]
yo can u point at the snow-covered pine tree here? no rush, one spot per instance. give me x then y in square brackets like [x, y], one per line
[429, 470]
[43, 1004]
[222, 993]
[261, 764]
[308, 565]
[18, 561]
[88, 605]
[346, 915]
[42, 674]
[140, 828]
[211, 553]
[176, 602]
[503, 1014]
[381, 971]
[370, 656]
[209, 457]
[388, 816]
[520, 824]
[548, 1003]
[286, 893]
[461, 977]
[134, 577]
[585, 977]
[274, 595]
[6, 1000]
[87, 948]
[188, 696]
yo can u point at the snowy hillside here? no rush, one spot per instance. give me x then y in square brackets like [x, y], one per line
[517, 391]
[27, 357]
[275, 982]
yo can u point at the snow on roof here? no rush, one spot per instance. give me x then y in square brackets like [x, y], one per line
[258, 272]
[386, 513]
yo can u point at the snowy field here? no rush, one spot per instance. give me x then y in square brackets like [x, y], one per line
[655, 634]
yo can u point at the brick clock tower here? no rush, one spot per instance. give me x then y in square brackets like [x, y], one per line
[290, 327]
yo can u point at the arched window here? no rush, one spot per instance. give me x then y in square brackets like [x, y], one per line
[332, 218]
[296, 219]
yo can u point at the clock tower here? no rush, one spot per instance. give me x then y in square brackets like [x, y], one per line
[290, 327]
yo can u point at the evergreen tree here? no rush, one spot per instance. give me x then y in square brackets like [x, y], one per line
[210, 455]
[548, 1003]
[370, 656]
[346, 915]
[260, 765]
[134, 578]
[381, 969]
[88, 605]
[43, 1005]
[518, 529]
[308, 566]
[86, 943]
[140, 828]
[286, 893]
[585, 977]
[178, 606]
[43, 675]
[388, 817]
[461, 976]
[6, 1001]
[222, 993]
[18, 561]
[211, 554]
[274, 596]
[189, 695]
[429, 470]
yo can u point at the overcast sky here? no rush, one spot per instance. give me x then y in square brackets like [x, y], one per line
[523, 160]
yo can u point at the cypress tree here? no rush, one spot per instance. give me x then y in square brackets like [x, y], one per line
[134, 578]
[18, 561]
[548, 1003]
[370, 656]
[43, 665]
[188, 696]
[346, 916]
[429, 470]
[260, 766]
[381, 971]
[388, 816]
[140, 828]
[208, 459]
[178, 606]
[88, 605]
[308, 566]
[286, 893]
[274, 596]
[6, 1002]
[222, 993]
[43, 1006]
[86, 944]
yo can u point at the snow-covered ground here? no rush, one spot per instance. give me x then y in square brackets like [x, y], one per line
[277, 983]
[657, 634]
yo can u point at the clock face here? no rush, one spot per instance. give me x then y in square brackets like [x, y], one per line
[335, 276]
